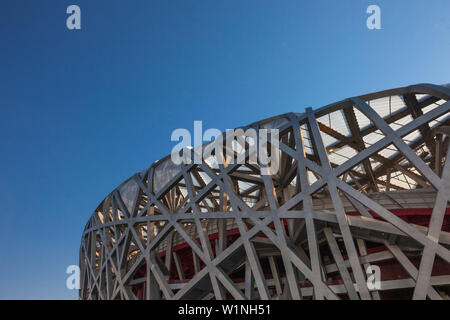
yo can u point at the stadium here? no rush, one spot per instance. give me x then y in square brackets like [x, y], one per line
[362, 184]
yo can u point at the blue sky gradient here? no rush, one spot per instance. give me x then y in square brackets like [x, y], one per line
[81, 111]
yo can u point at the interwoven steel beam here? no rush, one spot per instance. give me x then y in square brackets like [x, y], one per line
[364, 181]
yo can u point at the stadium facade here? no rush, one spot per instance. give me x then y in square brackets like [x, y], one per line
[362, 184]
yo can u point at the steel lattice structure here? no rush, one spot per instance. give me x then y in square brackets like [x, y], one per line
[364, 181]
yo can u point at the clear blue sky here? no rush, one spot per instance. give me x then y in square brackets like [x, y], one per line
[81, 111]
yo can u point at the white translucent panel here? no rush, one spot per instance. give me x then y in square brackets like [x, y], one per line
[373, 137]
[405, 120]
[312, 178]
[338, 123]
[363, 121]
[293, 182]
[336, 158]
[183, 191]
[128, 193]
[349, 179]
[121, 214]
[249, 202]
[414, 170]
[309, 151]
[325, 119]
[410, 181]
[400, 182]
[211, 161]
[442, 118]
[388, 152]
[305, 135]
[195, 182]
[413, 136]
[398, 175]
[395, 126]
[433, 106]
[341, 156]
[386, 106]
[403, 185]
[243, 185]
[163, 173]
[327, 140]
[421, 97]
[204, 176]
[438, 121]
[244, 169]
[430, 107]
[307, 143]
[433, 123]
[382, 106]
[209, 202]
[304, 127]
[397, 104]
[348, 152]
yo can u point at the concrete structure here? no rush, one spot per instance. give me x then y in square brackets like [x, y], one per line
[364, 181]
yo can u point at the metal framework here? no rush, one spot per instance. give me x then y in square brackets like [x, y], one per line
[364, 181]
